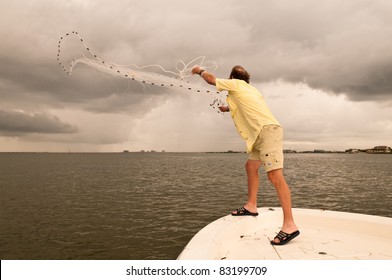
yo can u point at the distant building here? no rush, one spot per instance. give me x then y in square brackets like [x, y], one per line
[380, 150]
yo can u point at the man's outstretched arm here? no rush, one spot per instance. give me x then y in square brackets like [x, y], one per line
[208, 77]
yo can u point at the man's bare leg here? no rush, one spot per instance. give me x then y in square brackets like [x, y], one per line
[252, 170]
[277, 179]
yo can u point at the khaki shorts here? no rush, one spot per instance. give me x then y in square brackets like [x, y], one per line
[269, 147]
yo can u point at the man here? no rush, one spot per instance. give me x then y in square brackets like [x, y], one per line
[264, 139]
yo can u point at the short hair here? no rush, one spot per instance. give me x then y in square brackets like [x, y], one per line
[238, 72]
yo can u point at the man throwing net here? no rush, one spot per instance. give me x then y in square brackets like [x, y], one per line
[264, 140]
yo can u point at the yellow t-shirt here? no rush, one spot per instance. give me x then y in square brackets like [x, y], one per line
[247, 108]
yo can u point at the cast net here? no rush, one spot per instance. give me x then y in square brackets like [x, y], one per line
[151, 75]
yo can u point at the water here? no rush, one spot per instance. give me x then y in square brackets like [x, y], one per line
[149, 205]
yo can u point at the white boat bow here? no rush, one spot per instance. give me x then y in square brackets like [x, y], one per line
[324, 235]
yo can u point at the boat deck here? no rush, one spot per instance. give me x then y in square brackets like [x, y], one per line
[325, 235]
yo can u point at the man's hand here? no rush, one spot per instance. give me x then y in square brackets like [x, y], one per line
[196, 69]
[208, 77]
[224, 108]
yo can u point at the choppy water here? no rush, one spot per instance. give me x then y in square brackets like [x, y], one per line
[149, 205]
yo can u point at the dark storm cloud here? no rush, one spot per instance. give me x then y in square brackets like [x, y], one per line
[337, 46]
[14, 123]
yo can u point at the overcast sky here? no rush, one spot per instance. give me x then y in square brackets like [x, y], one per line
[324, 68]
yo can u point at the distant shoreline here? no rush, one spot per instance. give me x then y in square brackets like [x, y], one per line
[375, 150]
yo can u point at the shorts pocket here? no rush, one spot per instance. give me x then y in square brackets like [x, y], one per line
[272, 160]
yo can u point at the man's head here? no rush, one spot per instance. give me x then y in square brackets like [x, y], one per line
[238, 72]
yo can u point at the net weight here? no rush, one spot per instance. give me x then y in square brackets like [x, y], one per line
[243, 270]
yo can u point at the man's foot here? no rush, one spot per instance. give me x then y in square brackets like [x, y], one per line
[242, 211]
[283, 238]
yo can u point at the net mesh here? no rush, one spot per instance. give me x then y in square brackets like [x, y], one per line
[152, 75]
